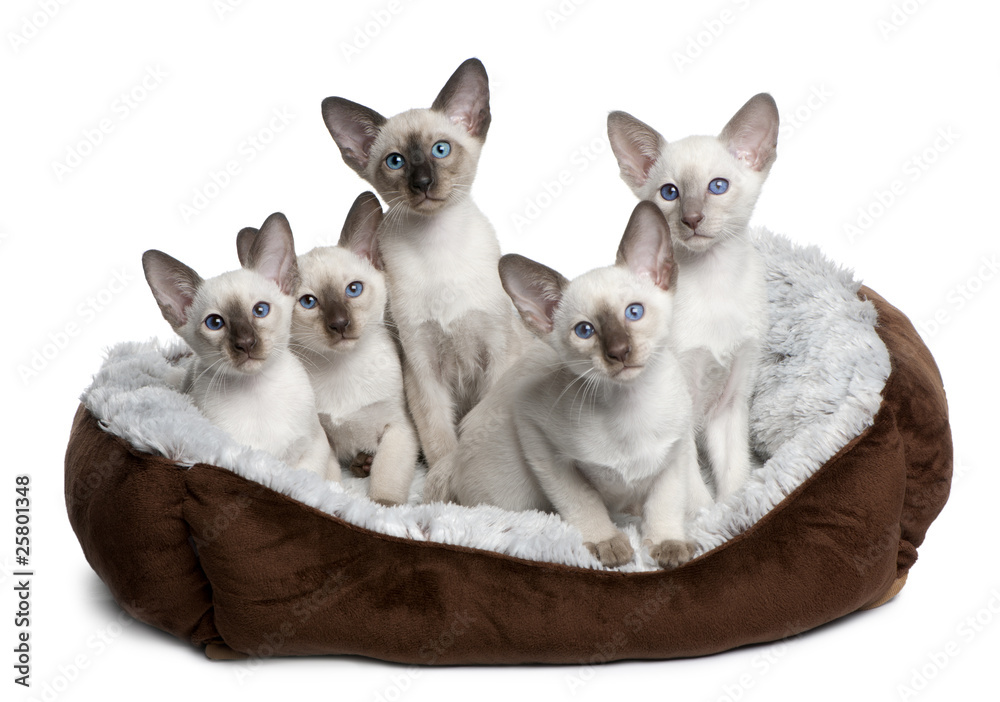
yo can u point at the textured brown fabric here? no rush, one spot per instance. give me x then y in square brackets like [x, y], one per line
[289, 580]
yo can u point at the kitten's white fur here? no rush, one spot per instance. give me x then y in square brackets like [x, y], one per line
[356, 374]
[572, 428]
[457, 328]
[264, 401]
[720, 312]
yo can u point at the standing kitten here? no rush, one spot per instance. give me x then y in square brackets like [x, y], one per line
[581, 424]
[707, 188]
[457, 328]
[339, 333]
[243, 378]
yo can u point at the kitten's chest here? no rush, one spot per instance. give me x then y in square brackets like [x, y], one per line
[443, 270]
[271, 412]
[348, 382]
[719, 306]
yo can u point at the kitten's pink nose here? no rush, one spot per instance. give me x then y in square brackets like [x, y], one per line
[693, 219]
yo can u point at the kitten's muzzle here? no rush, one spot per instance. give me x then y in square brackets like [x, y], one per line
[421, 178]
[337, 318]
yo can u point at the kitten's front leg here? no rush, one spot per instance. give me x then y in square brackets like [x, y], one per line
[393, 465]
[431, 406]
[318, 456]
[667, 505]
[575, 499]
[727, 426]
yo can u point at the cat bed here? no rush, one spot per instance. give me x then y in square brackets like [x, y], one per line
[230, 550]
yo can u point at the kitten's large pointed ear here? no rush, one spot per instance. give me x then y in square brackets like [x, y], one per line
[354, 128]
[646, 248]
[636, 145]
[244, 240]
[174, 285]
[535, 289]
[465, 98]
[360, 232]
[752, 134]
[272, 253]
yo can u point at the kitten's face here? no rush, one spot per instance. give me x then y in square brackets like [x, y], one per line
[609, 324]
[421, 159]
[340, 294]
[705, 193]
[237, 321]
[705, 186]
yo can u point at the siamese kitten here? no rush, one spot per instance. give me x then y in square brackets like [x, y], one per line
[707, 188]
[582, 423]
[457, 328]
[339, 333]
[244, 378]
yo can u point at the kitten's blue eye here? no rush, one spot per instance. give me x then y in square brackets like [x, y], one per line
[718, 186]
[261, 309]
[395, 161]
[584, 330]
[441, 149]
[669, 192]
[307, 301]
[214, 322]
[355, 288]
[634, 311]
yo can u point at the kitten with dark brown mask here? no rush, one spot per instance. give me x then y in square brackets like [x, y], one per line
[596, 415]
[339, 333]
[243, 377]
[457, 328]
[707, 187]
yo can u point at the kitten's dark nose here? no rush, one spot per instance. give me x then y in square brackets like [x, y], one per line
[338, 324]
[693, 219]
[618, 349]
[245, 343]
[421, 179]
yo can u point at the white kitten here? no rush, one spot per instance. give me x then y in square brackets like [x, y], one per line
[339, 333]
[457, 328]
[582, 423]
[244, 378]
[707, 188]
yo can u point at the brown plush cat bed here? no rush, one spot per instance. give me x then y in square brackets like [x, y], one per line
[232, 565]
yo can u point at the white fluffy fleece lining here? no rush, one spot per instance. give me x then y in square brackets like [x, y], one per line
[820, 385]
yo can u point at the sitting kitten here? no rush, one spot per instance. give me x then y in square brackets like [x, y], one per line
[707, 188]
[457, 328]
[338, 332]
[243, 378]
[581, 424]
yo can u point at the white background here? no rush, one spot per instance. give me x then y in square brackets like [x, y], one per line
[860, 99]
